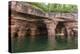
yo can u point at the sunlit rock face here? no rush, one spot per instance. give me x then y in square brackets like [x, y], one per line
[22, 27]
[24, 24]
[71, 28]
[19, 27]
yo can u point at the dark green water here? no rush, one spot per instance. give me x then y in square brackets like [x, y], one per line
[42, 43]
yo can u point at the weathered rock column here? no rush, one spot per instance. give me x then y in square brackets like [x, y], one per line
[21, 32]
[33, 29]
[51, 30]
[68, 33]
[33, 32]
[68, 29]
[14, 29]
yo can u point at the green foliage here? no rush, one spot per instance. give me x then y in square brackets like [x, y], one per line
[40, 6]
[55, 7]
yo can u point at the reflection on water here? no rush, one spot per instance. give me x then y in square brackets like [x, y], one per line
[42, 43]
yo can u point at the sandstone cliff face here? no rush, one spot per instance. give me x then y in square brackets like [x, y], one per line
[26, 19]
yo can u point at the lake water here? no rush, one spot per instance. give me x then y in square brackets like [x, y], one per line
[42, 43]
